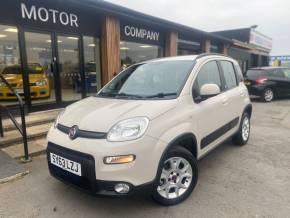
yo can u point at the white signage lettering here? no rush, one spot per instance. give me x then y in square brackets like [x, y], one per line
[141, 33]
[43, 14]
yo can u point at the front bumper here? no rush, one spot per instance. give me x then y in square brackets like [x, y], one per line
[100, 178]
[87, 181]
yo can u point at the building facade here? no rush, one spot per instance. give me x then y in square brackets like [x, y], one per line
[250, 47]
[56, 52]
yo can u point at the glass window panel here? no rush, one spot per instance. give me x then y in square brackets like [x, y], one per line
[92, 64]
[209, 74]
[39, 61]
[132, 53]
[68, 52]
[229, 74]
[10, 64]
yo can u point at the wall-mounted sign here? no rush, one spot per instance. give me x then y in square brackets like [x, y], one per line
[43, 14]
[51, 15]
[141, 34]
[259, 39]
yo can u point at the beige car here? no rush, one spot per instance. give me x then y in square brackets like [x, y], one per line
[147, 128]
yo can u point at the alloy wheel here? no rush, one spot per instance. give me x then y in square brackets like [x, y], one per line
[175, 178]
[246, 128]
[269, 95]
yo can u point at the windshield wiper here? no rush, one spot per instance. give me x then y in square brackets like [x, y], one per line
[161, 95]
[128, 95]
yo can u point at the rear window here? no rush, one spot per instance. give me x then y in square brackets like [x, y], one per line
[255, 73]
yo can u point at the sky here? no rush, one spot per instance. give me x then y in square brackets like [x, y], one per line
[271, 16]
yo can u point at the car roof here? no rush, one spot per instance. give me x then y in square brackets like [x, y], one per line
[175, 58]
[186, 57]
[268, 68]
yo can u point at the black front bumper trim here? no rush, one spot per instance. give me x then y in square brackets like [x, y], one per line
[87, 181]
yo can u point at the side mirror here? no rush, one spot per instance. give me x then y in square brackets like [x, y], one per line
[209, 90]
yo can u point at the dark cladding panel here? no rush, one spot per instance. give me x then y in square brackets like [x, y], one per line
[53, 15]
[139, 33]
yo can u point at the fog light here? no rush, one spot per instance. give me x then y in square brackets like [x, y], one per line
[122, 188]
[119, 159]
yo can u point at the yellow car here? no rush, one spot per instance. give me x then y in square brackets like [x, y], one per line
[38, 82]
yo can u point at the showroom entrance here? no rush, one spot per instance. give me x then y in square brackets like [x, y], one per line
[53, 67]
[49, 69]
[49, 53]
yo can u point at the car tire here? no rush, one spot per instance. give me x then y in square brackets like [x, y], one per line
[174, 186]
[268, 95]
[242, 136]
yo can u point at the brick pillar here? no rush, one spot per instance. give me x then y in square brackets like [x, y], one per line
[171, 44]
[110, 48]
[206, 46]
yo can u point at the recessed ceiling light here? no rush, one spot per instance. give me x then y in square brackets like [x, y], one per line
[12, 30]
[91, 45]
[49, 41]
[145, 46]
[74, 38]
[2, 36]
[124, 48]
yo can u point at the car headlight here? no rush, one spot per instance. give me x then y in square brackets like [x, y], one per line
[128, 129]
[41, 82]
[57, 118]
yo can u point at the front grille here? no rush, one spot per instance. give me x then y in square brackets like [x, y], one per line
[83, 133]
[88, 179]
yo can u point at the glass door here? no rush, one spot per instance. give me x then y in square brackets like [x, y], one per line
[40, 67]
[69, 67]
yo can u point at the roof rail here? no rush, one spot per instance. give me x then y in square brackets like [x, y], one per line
[211, 54]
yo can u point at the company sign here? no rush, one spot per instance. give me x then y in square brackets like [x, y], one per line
[132, 31]
[261, 40]
[141, 34]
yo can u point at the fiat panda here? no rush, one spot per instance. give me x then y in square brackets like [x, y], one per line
[147, 128]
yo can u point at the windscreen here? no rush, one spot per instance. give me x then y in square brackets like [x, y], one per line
[160, 79]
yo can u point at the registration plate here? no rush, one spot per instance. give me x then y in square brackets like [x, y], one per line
[66, 164]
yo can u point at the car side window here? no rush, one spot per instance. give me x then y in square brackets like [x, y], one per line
[209, 73]
[239, 73]
[229, 74]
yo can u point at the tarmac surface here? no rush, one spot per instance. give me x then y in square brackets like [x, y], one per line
[249, 181]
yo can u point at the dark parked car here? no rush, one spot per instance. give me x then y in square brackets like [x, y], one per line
[268, 82]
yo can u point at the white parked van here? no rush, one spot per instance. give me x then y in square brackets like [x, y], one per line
[146, 129]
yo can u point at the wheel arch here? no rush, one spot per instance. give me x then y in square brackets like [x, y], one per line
[180, 140]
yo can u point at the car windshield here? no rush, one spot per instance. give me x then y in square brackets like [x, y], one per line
[16, 69]
[160, 79]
